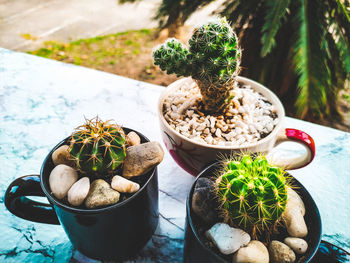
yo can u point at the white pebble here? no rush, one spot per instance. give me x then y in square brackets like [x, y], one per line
[227, 239]
[123, 185]
[79, 191]
[62, 177]
[254, 252]
[133, 138]
[62, 156]
[297, 244]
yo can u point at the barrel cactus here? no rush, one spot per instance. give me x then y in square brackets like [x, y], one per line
[252, 193]
[97, 147]
[212, 60]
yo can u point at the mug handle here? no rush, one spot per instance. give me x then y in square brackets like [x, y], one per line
[17, 203]
[300, 137]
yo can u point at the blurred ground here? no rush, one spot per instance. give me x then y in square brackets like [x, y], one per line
[25, 24]
[127, 54]
[99, 34]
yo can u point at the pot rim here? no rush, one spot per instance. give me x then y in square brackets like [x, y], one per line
[275, 101]
[220, 259]
[53, 200]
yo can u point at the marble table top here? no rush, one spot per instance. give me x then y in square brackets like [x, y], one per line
[42, 101]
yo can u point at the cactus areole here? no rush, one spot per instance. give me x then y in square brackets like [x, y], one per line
[98, 147]
[252, 193]
[212, 60]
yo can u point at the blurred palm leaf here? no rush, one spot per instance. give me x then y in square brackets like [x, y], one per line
[300, 49]
[275, 12]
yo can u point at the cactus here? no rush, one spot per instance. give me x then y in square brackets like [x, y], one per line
[252, 193]
[212, 60]
[97, 147]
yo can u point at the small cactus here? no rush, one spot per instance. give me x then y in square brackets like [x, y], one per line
[212, 60]
[97, 147]
[252, 193]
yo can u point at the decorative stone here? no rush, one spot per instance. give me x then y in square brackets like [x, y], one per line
[142, 158]
[133, 139]
[62, 177]
[293, 215]
[254, 252]
[293, 199]
[298, 245]
[227, 239]
[123, 185]
[62, 156]
[78, 192]
[101, 194]
[294, 222]
[203, 201]
[280, 253]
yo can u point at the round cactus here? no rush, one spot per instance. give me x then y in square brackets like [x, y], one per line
[98, 147]
[253, 193]
[212, 60]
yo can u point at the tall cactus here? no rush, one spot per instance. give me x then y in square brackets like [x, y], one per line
[98, 147]
[252, 193]
[212, 60]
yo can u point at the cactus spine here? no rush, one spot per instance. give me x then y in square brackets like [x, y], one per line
[98, 147]
[252, 193]
[212, 60]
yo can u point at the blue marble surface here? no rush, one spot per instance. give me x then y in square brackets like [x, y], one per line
[42, 101]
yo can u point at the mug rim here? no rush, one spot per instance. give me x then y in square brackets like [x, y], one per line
[244, 80]
[217, 257]
[95, 210]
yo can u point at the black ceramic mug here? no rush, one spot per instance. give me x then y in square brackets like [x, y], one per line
[115, 232]
[195, 249]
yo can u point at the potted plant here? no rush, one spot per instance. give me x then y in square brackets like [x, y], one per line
[102, 186]
[214, 111]
[245, 210]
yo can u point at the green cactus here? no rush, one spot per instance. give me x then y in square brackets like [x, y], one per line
[212, 60]
[97, 147]
[252, 193]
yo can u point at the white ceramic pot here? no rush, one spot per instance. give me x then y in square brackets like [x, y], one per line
[194, 156]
